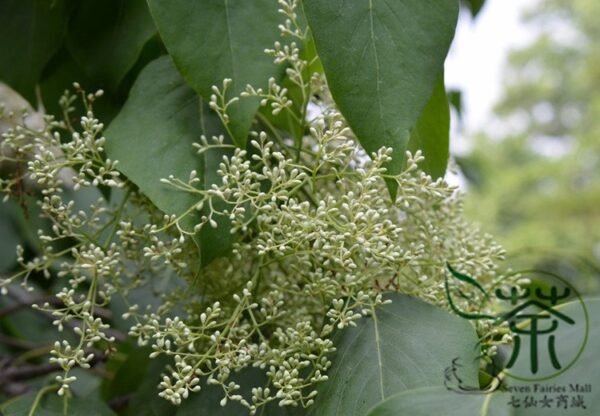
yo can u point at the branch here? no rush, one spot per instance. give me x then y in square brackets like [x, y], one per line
[11, 375]
[24, 299]
[53, 300]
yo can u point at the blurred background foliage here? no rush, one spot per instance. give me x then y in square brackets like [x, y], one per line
[536, 188]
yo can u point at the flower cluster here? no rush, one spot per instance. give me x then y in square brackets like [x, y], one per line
[319, 242]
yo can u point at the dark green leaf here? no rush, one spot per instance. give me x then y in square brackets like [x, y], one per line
[212, 40]
[126, 370]
[474, 6]
[466, 279]
[53, 405]
[382, 59]
[31, 31]
[145, 401]
[10, 235]
[88, 384]
[106, 37]
[455, 101]
[59, 75]
[405, 345]
[432, 132]
[26, 324]
[152, 138]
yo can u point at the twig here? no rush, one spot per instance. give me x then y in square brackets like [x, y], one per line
[53, 300]
[23, 298]
[10, 376]
[16, 343]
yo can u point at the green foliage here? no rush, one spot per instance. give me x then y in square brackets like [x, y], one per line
[438, 400]
[162, 119]
[51, 44]
[431, 135]
[10, 236]
[379, 357]
[49, 404]
[237, 229]
[31, 32]
[222, 40]
[474, 6]
[107, 37]
[382, 60]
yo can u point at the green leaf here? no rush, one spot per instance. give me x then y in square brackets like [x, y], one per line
[26, 324]
[214, 242]
[432, 132]
[406, 344]
[456, 101]
[382, 59]
[59, 75]
[31, 31]
[53, 405]
[126, 370]
[585, 371]
[145, 401]
[467, 279]
[212, 40]
[106, 37]
[9, 231]
[474, 6]
[152, 138]
[440, 401]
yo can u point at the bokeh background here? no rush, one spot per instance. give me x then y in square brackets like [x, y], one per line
[526, 131]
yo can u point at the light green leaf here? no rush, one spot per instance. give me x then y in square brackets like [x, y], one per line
[152, 138]
[432, 132]
[31, 31]
[382, 59]
[405, 345]
[210, 40]
[584, 372]
[441, 401]
[106, 37]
